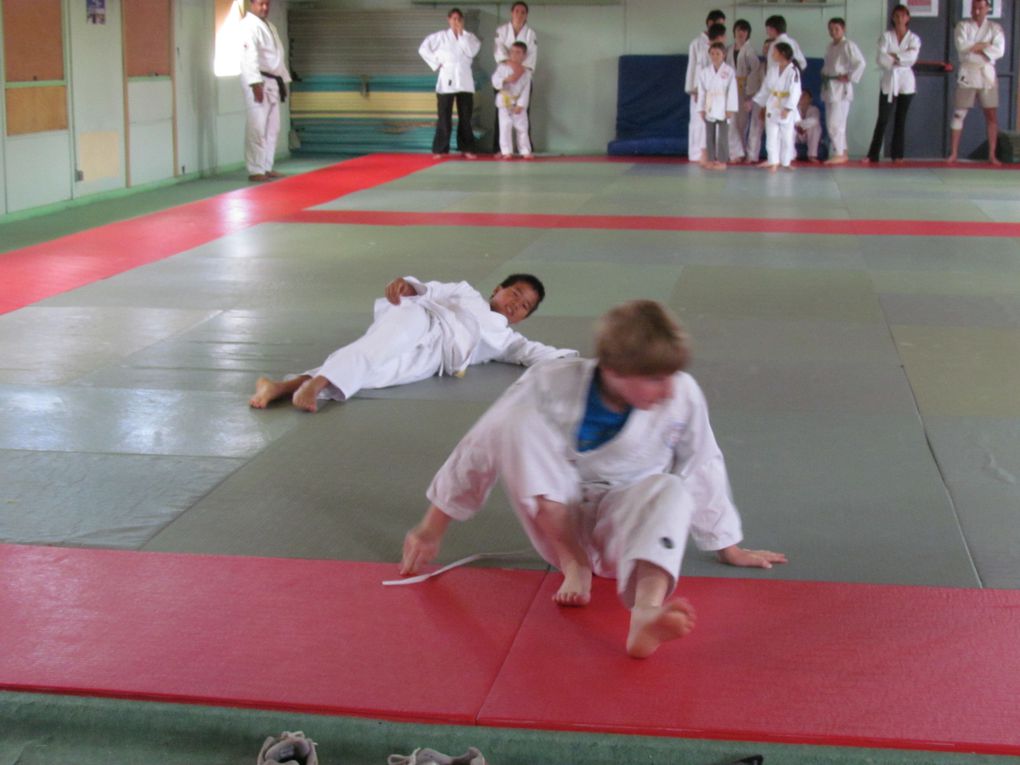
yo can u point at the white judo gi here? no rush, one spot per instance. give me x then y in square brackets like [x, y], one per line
[511, 95]
[717, 96]
[808, 130]
[262, 54]
[977, 70]
[442, 330]
[746, 64]
[842, 58]
[697, 57]
[898, 78]
[636, 497]
[780, 90]
[798, 54]
[506, 37]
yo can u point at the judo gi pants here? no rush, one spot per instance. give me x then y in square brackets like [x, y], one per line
[837, 113]
[779, 142]
[262, 127]
[717, 141]
[404, 345]
[510, 123]
[618, 526]
[695, 134]
[754, 134]
[900, 105]
[444, 122]
[738, 135]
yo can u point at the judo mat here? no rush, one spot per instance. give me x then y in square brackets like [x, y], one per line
[856, 333]
[827, 664]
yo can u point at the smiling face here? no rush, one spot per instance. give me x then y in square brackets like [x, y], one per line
[260, 8]
[515, 302]
[638, 391]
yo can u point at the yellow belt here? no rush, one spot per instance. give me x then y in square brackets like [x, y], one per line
[777, 94]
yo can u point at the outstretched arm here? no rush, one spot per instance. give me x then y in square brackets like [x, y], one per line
[421, 544]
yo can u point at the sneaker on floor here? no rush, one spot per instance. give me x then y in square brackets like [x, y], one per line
[431, 757]
[288, 748]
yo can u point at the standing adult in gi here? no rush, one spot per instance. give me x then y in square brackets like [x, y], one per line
[779, 98]
[980, 42]
[516, 30]
[451, 53]
[697, 57]
[421, 329]
[898, 49]
[844, 66]
[264, 76]
[608, 464]
[744, 60]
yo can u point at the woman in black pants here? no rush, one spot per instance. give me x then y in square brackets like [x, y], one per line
[898, 49]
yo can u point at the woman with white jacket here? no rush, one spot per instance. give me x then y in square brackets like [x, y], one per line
[898, 49]
[450, 53]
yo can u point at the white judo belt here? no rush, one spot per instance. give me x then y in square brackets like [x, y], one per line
[456, 564]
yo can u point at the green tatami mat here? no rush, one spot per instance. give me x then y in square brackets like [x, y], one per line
[346, 483]
[65, 730]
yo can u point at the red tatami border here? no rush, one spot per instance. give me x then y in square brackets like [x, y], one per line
[827, 226]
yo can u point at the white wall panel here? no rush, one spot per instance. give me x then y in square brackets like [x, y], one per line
[152, 152]
[38, 169]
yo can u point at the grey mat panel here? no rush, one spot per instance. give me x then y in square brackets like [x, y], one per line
[935, 254]
[853, 498]
[50, 346]
[953, 310]
[103, 500]
[403, 200]
[990, 516]
[347, 484]
[978, 449]
[97, 420]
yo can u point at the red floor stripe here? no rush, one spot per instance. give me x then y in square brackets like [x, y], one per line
[34, 273]
[796, 662]
[663, 223]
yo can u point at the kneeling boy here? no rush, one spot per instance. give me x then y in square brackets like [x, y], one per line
[609, 464]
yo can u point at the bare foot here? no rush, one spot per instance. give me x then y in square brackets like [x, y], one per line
[438, 156]
[266, 390]
[765, 164]
[576, 587]
[470, 155]
[306, 397]
[651, 626]
[841, 159]
[951, 159]
[995, 161]
[772, 168]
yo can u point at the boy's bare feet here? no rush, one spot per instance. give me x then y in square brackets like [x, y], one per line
[576, 587]
[995, 161]
[266, 390]
[307, 396]
[651, 626]
[951, 159]
[840, 159]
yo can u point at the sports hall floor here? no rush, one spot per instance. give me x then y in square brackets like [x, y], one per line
[181, 576]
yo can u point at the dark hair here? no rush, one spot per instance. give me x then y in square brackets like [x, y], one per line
[778, 23]
[519, 2]
[715, 17]
[718, 45]
[519, 44]
[716, 31]
[742, 24]
[458, 11]
[529, 279]
[785, 50]
[899, 9]
[838, 20]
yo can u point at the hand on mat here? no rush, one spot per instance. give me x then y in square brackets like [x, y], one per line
[397, 289]
[421, 544]
[738, 556]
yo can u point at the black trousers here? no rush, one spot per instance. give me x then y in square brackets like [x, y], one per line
[899, 106]
[444, 122]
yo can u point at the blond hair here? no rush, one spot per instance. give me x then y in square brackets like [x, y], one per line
[641, 338]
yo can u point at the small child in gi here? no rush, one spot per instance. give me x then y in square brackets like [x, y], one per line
[778, 98]
[512, 102]
[717, 105]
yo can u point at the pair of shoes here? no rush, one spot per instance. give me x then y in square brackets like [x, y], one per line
[258, 177]
[431, 757]
[290, 748]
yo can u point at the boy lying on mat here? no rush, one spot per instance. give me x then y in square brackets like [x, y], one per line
[609, 463]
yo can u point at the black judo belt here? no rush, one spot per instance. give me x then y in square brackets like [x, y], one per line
[280, 82]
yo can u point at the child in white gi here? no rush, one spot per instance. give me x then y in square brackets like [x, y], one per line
[697, 57]
[808, 127]
[775, 32]
[979, 43]
[844, 66]
[512, 102]
[717, 104]
[422, 329]
[778, 97]
[742, 57]
[609, 465]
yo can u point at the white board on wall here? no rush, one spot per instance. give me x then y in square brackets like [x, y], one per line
[38, 169]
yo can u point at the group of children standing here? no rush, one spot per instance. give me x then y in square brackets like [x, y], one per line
[732, 86]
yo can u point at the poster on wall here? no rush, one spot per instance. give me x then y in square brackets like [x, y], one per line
[921, 8]
[95, 11]
[994, 11]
